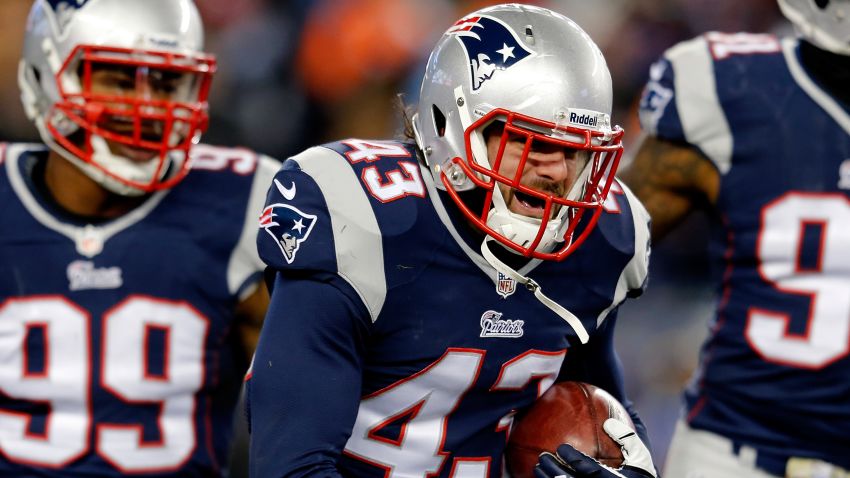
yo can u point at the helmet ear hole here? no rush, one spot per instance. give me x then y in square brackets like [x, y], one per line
[822, 4]
[439, 121]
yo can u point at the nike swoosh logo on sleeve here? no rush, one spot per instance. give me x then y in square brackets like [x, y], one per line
[287, 193]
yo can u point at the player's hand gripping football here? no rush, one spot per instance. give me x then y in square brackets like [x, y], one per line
[571, 463]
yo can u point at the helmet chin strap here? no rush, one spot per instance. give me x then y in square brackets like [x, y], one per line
[534, 287]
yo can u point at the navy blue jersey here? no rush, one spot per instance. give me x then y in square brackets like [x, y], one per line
[114, 337]
[391, 347]
[774, 371]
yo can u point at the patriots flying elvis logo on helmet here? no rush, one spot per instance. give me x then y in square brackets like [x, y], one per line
[57, 4]
[63, 12]
[490, 46]
[288, 226]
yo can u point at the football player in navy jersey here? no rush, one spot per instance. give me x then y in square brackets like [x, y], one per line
[756, 130]
[129, 275]
[420, 293]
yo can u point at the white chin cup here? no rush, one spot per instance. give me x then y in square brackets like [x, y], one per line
[522, 230]
[140, 172]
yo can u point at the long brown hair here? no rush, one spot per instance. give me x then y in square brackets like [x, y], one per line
[406, 111]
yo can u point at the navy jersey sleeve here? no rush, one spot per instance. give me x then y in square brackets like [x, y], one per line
[317, 218]
[304, 386]
[310, 349]
[597, 363]
[695, 88]
[658, 113]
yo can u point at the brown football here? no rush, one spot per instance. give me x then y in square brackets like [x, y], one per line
[569, 412]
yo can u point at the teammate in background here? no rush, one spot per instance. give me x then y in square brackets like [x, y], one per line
[421, 296]
[127, 271]
[756, 130]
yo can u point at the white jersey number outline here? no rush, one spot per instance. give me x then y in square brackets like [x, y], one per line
[66, 381]
[426, 400]
[779, 247]
[393, 184]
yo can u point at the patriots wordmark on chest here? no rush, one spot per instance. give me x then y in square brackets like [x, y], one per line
[493, 325]
[83, 275]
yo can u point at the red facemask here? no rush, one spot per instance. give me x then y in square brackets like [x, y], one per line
[604, 156]
[152, 103]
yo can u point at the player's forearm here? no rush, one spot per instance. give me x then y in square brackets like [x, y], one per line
[671, 180]
[250, 313]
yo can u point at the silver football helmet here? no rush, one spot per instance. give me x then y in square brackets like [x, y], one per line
[825, 23]
[118, 87]
[537, 76]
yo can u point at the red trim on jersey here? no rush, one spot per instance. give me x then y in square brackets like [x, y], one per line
[159, 403]
[810, 296]
[376, 150]
[411, 413]
[798, 267]
[209, 434]
[27, 417]
[698, 406]
[724, 45]
[720, 319]
[611, 205]
[445, 419]
[25, 366]
[239, 160]
[148, 375]
[460, 460]
[533, 377]
[506, 423]
[385, 180]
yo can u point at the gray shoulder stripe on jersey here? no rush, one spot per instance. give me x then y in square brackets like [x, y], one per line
[359, 253]
[703, 119]
[637, 269]
[244, 260]
[822, 98]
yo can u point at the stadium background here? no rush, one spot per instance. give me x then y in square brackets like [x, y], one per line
[293, 73]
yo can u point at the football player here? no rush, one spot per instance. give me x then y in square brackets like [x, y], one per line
[128, 266]
[756, 130]
[420, 292]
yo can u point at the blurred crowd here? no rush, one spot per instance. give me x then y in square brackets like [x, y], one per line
[294, 73]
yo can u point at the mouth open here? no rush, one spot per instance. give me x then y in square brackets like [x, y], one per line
[527, 205]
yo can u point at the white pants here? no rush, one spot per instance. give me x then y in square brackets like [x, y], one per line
[701, 454]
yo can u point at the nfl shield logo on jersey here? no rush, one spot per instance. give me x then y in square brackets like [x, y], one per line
[289, 227]
[505, 286]
[490, 45]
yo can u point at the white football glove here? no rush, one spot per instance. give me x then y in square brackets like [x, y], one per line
[571, 463]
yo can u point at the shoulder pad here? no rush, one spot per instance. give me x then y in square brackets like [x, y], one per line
[630, 221]
[244, 262]
[317, 217]
[686, 98]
